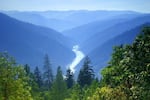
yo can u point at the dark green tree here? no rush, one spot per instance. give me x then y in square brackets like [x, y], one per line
[59, 88]
[30, 75]
[38, 77]
[48, 75]
[129, 68]
[86, 75]
[136, 65]
[69, 79]
[27, 69]
[114, 69]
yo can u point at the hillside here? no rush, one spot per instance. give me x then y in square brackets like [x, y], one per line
[81, 33]
[103, 36]
[29, 43]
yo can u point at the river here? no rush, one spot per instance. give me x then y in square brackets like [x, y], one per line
[79, 56]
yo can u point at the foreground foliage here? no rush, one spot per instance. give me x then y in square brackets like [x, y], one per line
[13, 81]
[128, 73]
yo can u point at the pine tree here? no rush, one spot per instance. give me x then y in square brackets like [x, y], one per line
[38, 77]
[27, 69]
[59, 88]
[69, 78]
[86, 75]
[48, 75]
[30, 75]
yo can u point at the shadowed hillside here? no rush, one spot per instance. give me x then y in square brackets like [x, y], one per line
[29, 43]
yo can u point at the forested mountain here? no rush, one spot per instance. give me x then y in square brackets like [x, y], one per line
[81, 33]
[29, 43]
[100, 37]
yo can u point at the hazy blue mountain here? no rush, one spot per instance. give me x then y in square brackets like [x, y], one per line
[38, 19]
[80, 17]
[64, 20]
[100, 37]
[84, 32]
[29, 43]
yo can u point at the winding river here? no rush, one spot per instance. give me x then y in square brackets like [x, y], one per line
[79, 56]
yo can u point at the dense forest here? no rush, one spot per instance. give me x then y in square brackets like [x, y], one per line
[127, 77]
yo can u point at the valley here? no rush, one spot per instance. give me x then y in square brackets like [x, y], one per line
[56, 33]
[74, 49]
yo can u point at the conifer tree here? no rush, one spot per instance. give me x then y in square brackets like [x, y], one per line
[38, 77]
[27, 69]
[69, 78]
[48, 75]
[86, 75]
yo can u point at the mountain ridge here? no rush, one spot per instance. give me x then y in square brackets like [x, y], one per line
[29, 43]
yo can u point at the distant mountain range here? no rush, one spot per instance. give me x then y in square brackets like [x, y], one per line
[96, 32]
[82, 33]
[98, 38]
[64, 20]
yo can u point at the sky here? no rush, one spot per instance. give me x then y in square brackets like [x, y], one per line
[43, 5]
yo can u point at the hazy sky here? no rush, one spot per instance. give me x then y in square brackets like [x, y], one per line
[42, 5]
